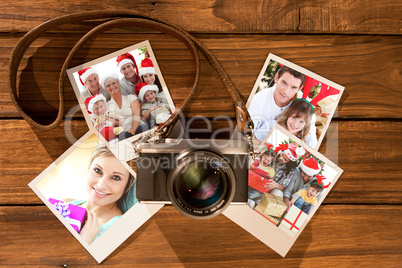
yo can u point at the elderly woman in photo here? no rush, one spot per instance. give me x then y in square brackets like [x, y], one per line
[125, 108]
[89, 79]
[111, 192]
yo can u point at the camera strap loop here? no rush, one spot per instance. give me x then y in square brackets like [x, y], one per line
[124, 19]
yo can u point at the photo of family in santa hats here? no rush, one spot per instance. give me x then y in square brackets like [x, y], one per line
[300, 101]
[122, 94]
[286, 178]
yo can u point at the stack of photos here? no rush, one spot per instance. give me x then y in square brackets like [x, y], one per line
[91, 188]
[291, 109]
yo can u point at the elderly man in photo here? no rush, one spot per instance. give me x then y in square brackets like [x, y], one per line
[269, 103]
[308, 168]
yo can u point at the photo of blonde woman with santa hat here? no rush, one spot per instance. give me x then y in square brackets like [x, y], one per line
[90, 81]
[129, 69]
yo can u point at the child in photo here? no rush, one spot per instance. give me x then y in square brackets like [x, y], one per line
[148, 75]
[297, 120]
[266, 161]
[262, 168]
[306, 199]
[107, 126]
[154, 110]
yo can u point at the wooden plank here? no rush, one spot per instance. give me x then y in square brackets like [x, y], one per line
[326, 16]
[364, 235]
[368, 67]
[372, 173]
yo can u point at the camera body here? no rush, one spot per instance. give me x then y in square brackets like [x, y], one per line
[199, 177]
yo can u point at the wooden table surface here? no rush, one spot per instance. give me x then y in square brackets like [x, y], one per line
[354, 43]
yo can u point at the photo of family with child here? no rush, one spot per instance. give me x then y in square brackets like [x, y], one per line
[285, 179]
[124, 94]
[302, 104]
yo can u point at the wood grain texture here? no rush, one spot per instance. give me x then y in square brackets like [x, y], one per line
[368, 66]
[34, 236]
[324, 16]
[349, 144]
[355, 43]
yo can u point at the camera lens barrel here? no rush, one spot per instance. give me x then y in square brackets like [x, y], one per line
[202, 184]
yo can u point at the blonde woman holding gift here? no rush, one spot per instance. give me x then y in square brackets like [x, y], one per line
[111, 192]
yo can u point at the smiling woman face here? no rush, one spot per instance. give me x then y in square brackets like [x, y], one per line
[107, 180]
[112, 86]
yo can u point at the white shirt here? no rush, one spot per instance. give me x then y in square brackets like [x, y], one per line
[125, 114]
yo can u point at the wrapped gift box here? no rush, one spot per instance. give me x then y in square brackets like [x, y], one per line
[159, 110]
[271, 205]
[293, 220]
[73, 214]
[274, 220]
[327, 104]
[257, 179]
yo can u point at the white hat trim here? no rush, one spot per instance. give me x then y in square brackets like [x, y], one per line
[87, 74]
[125, 61]
[94, 100]
[309, 171]
[144, 90]
[146, 70]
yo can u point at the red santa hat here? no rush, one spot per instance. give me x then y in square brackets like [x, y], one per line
[147, 67]
[310, 166]
[292, 151]
[84, 74]
[142, 88]
[90, 102]
[124, 59]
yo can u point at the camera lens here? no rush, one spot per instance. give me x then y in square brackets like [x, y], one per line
[202, 185]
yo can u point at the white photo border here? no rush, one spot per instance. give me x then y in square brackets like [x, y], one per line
[122, 149]
[119, 231]
[307, 73]
[263, 229]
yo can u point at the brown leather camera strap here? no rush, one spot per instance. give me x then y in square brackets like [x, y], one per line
[124, 19]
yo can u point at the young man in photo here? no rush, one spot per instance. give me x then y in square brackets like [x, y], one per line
[270, 102]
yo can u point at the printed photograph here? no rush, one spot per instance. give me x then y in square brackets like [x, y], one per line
[287, 182]
[91, 191]
[122, 94]
[300, 101]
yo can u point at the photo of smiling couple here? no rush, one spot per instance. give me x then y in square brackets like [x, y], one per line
[301, 104]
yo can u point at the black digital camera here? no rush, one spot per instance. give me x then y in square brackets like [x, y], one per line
[199, 177]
